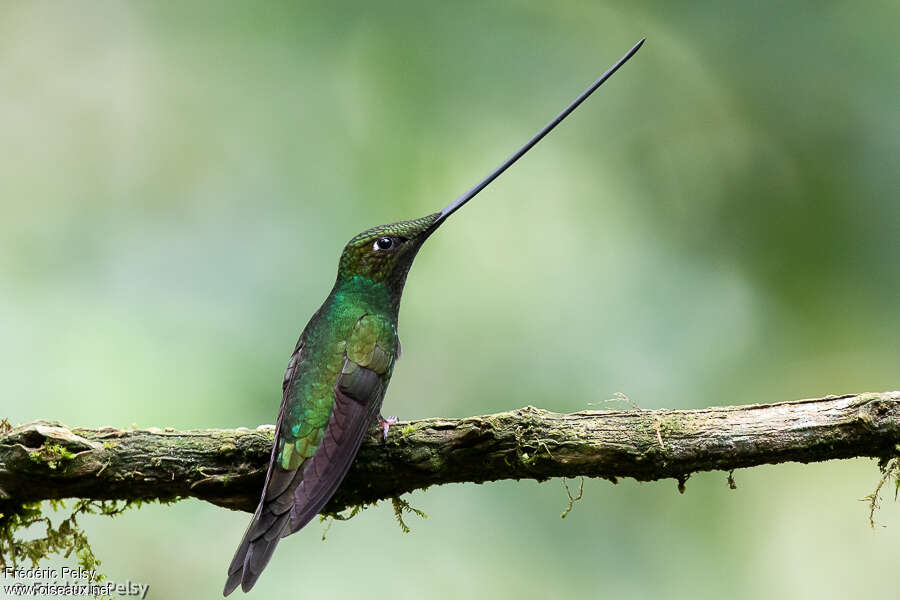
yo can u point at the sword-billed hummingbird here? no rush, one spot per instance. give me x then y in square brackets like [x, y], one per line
[336, 377]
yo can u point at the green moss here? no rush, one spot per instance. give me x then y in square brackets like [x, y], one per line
[344, 515]
[436, 462]
[228, 448]
[65, 539]
[675, 425]
[401, 506]
[52, 455]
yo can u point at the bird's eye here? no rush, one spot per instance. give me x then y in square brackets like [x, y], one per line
[384, 243]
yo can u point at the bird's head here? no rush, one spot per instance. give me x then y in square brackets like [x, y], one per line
[385, 253]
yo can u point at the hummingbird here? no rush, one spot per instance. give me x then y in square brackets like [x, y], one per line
[336, 378]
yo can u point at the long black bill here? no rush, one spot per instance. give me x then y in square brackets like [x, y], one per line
[456, 204]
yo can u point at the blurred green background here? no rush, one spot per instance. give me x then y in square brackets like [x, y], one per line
[718, 225]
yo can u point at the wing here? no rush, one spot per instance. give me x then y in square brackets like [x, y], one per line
[305, 469]
[358, 393]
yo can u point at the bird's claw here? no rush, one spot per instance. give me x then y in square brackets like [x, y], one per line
[385, 424]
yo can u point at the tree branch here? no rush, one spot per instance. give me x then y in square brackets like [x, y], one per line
[45, 460]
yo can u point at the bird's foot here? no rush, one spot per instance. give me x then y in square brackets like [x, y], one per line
[385, 424]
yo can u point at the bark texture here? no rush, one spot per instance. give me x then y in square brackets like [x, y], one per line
[45, 460]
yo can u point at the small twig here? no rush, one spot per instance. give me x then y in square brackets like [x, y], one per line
[656, 427]
[572, 499]
[620, 397]
[890, 469]
[731, 483]
[329, 521]
[544, 444]
[103, 468]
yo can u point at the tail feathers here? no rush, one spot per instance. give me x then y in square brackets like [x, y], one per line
[253, 555]
[262, 536]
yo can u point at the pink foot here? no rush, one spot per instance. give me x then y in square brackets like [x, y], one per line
[385, 423]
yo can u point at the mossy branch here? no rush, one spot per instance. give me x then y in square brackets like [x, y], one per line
[45, 460]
